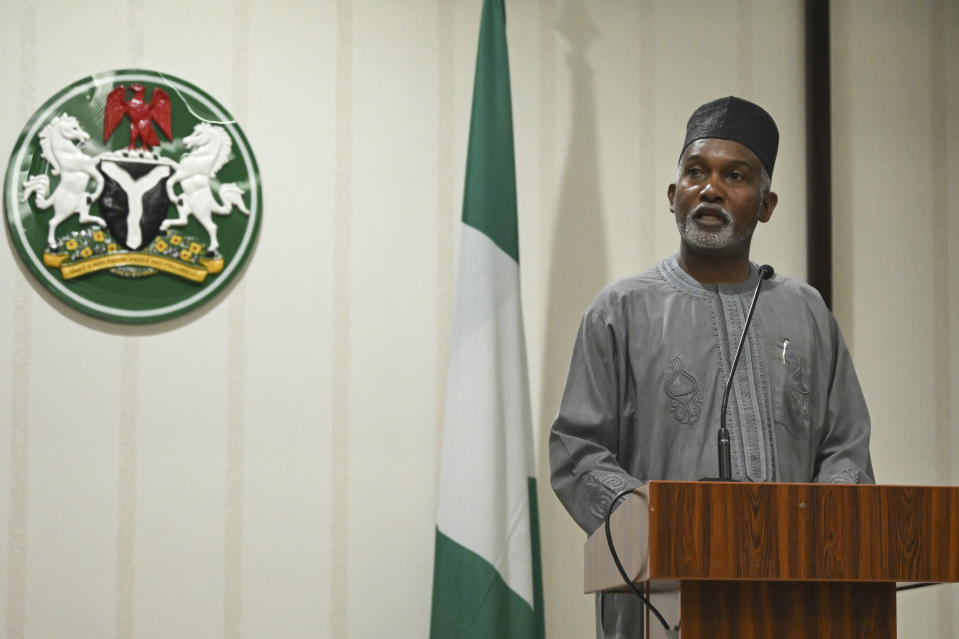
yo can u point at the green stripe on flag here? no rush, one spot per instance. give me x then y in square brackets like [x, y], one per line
[471, 600]
[489, 200]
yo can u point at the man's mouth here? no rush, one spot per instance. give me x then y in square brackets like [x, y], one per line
[711, 217]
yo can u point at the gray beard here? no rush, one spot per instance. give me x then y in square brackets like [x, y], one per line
[725, 240]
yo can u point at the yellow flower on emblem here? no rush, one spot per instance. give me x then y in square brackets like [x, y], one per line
[195, 248]
[175, 240]
[98, 236]
[111, 248]
[72, 245]
[186, 255]
[86, 252]
[160, 245]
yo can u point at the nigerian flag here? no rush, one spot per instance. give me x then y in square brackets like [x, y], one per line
[486, 579]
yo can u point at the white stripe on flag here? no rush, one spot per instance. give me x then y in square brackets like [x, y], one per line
[483, 492]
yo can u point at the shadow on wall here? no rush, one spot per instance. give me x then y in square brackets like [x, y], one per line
[577, 271]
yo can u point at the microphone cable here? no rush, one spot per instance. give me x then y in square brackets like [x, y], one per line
[670, 632]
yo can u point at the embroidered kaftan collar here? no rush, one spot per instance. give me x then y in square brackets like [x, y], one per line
[673, 273]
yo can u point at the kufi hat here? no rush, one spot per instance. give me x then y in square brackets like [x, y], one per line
[738, 120]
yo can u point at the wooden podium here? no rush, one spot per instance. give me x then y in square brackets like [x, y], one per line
[781, 560]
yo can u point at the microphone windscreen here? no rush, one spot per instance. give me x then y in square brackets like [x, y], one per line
[766, 271]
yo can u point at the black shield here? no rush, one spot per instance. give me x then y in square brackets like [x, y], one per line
[127, 181]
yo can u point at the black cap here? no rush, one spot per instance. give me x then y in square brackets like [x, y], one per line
[738, 120]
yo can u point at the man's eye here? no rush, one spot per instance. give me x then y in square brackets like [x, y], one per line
[737, 176]
[694, 171]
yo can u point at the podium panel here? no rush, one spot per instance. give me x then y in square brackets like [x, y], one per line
[781, 560]
[787, 610]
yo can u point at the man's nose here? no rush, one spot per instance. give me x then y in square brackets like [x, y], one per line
[712, 191]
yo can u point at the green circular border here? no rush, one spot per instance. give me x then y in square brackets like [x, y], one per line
[92, 307]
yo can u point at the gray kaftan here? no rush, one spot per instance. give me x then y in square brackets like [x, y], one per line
[644, 391]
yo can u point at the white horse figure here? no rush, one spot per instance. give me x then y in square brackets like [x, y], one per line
[75, 169]
[209, 150]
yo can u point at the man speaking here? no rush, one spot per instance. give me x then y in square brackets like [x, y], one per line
[653, 353]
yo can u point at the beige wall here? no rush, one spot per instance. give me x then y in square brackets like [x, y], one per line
[896, 137]
[267, 466]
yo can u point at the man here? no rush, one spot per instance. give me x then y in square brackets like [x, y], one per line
[644, 389]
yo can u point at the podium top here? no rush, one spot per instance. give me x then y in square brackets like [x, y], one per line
[671, 530]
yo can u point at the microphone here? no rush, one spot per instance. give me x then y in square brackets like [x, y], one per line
[725, 460]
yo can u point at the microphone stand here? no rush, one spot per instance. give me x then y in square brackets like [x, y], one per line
[725, 457]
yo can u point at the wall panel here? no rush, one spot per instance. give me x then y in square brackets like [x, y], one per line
[894, 272]
[287, 487]
[392, 257]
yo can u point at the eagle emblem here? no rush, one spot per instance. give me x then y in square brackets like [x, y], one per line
[142, 114]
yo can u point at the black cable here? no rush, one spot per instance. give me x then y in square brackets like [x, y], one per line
[914, 586]
[619, 565]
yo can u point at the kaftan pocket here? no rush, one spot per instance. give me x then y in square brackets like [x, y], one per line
[790, 379]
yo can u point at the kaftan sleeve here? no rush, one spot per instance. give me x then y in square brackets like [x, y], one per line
[843, 455]
[583, 442]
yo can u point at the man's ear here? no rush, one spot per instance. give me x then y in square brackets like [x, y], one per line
[770, 200]
[670, 193]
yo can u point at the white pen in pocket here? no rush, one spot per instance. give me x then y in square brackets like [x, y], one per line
[784, 345]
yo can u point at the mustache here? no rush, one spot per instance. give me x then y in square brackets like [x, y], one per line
[712, 209]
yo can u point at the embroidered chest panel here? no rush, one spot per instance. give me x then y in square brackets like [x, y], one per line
[682, 389]
[748, 415]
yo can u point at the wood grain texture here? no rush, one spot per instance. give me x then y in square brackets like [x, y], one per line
[813, 532]
[787, 610]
